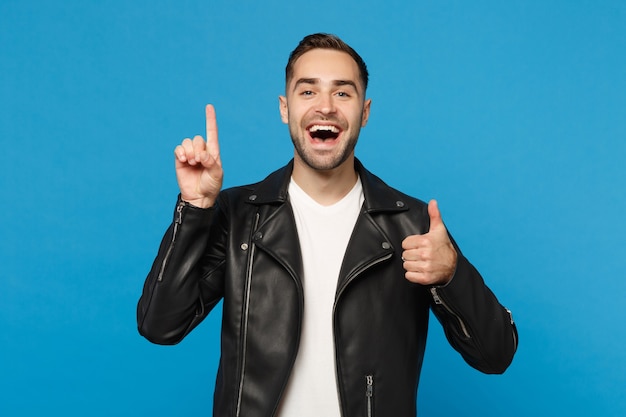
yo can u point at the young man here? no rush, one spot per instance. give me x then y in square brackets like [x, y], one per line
[327, 274]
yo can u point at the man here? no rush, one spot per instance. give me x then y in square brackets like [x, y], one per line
[327, 274]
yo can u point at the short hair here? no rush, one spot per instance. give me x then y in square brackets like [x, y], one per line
[325, 41]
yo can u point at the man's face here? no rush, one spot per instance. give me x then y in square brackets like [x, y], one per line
[325, 108]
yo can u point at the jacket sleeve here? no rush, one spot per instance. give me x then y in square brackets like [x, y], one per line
[475, 323]
[182, 286]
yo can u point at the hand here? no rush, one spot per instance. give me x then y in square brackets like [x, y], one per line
[430, 259]
[199, 167]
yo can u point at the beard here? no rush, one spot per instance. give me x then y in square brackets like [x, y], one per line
[323, 160]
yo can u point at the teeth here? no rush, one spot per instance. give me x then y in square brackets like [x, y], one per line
[317, 128]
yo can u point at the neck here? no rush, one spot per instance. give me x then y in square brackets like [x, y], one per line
[325, 186]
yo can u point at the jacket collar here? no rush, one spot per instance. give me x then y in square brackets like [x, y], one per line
[378, 195]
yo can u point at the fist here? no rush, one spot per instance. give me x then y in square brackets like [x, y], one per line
[430, 259]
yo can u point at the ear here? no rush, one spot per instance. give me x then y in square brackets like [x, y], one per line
[366, 112]
[284, 110]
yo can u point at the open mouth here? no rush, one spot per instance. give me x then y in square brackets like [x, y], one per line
[324, 132]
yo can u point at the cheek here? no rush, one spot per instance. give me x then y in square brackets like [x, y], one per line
[355, 115]
[300, 116]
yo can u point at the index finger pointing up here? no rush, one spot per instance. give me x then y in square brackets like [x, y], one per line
[212, 144]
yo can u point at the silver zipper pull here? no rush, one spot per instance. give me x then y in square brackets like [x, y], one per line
[436, 298]
[179, 213]
[441, 303]
[178, 220]
[370, 385]
[369, 394]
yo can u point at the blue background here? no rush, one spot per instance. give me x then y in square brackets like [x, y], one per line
[512, 114]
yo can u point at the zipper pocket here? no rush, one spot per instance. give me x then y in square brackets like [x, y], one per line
[442, 303]
[177, 222]
[369, 394]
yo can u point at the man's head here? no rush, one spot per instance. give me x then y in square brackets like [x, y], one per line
[325, 41]
[324, 102]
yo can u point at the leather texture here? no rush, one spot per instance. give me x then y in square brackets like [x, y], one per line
[245, 251]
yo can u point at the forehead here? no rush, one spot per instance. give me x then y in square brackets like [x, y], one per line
[325, 65]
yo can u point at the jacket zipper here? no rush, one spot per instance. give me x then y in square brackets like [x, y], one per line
[177, 222]
[348, 281]
[246, 303]
[369, 394]
[442, 303]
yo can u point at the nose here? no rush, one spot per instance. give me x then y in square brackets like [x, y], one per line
[326, 104]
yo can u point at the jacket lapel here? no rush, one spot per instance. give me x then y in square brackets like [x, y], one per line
[277, 233]
[368, 246]
[278, 236]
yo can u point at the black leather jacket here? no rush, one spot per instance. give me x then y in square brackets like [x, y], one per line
[245, 251]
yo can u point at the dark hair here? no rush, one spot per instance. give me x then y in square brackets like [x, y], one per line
[325, 41]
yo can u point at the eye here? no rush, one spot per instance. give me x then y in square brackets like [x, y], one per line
[306, 93]
[342, 94]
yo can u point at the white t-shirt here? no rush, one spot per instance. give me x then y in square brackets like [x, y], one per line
[324, 232]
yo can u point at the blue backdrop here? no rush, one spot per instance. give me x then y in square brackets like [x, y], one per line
[511, 114]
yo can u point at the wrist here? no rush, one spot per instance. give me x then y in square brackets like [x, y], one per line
[203, 202]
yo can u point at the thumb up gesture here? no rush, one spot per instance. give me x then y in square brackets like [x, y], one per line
[430, 259]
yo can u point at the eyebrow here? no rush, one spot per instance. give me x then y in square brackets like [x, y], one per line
[314, 81]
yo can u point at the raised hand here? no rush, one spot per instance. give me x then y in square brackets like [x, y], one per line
[199, 167]
[430, 259]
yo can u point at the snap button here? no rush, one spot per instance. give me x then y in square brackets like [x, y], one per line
[244, 246]
[257, 236]
[252, 197]
[399, 203]
[386, 245]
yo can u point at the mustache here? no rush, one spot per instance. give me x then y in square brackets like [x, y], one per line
[326, 119]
